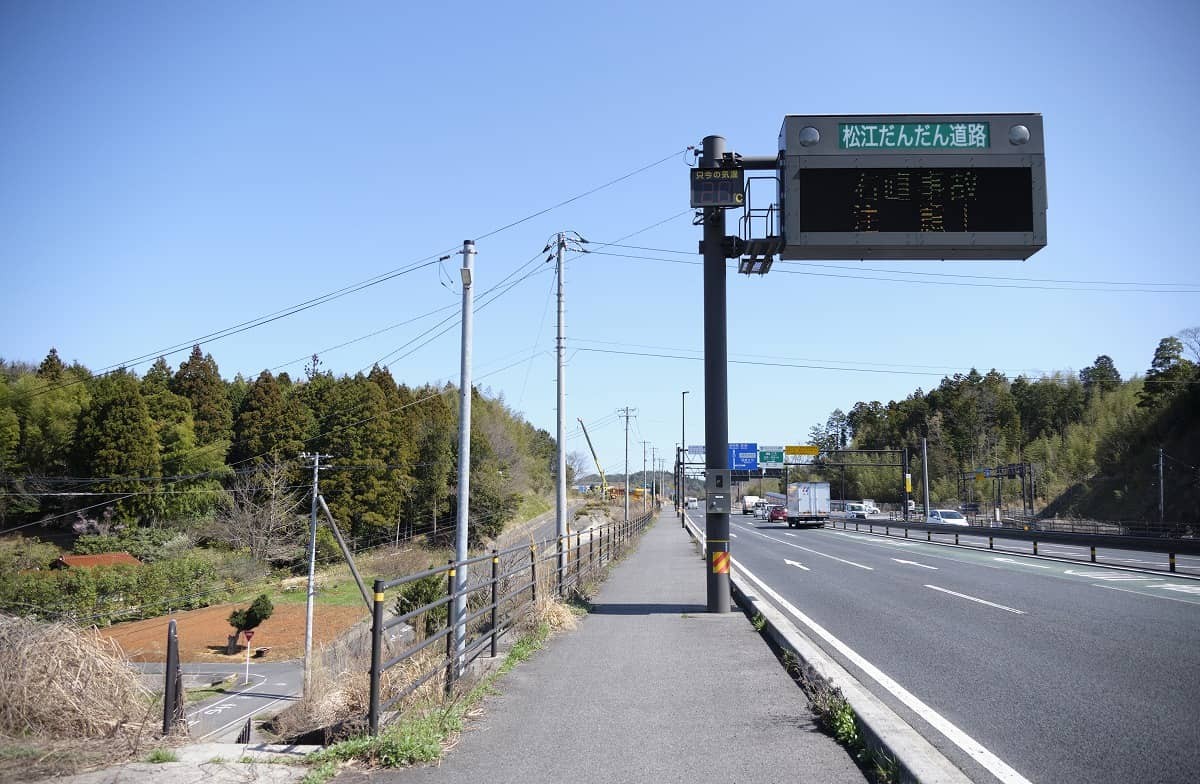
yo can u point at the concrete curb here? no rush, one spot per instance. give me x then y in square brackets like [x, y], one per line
[884, 730]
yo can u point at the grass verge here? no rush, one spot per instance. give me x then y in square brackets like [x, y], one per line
[422, 737]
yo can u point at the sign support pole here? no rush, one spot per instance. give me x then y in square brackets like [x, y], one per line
[716, 384]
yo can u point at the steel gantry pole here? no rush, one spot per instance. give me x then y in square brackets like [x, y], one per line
[716, 390]
[560, 514]
[459, 607]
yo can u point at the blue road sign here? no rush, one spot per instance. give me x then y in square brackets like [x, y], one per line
[743, 457]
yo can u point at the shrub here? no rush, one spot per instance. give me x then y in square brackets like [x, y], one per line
[258, 611]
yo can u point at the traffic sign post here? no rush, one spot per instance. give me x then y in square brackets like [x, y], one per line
[249, 636]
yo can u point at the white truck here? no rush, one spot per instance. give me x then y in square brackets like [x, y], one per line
[807, 503]
[748, 502]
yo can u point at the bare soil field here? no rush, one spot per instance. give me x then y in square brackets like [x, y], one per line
[203, 633]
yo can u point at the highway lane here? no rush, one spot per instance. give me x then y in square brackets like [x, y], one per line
[976, 536]
[1066, 672]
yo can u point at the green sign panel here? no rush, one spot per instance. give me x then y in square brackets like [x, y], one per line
[771, 458]
[915, 136]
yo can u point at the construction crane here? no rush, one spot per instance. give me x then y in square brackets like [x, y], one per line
[596, 460]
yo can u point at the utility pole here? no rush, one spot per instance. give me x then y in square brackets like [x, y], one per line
[645, 488]
[459, 608]
[560, 491]
[312, 569]
[625, 412]
[1160, 486]
[925, 473]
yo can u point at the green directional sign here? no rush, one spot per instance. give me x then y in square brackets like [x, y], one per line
[770, 457]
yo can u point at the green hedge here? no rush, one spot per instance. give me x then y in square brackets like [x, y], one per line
[105, 594]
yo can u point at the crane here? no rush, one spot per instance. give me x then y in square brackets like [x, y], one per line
[603, 481]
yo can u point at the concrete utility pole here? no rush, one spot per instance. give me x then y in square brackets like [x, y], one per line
[560, 492]
[625, 413]
[312, 568]
[459, 608]
[1161, 497]
[645, 488]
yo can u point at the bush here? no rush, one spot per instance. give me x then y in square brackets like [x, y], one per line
[419, 593]
[108, 593]
[144, 544]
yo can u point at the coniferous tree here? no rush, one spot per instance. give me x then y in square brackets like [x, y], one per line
[117, 438]
[199, 380]
[269, 426]
[52, 367]
[1168, 374]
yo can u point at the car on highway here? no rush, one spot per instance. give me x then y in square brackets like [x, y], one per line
[856, 511]
[777, 514]
[946, 517]
[760, 510]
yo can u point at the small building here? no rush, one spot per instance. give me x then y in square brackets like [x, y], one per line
[92, 561]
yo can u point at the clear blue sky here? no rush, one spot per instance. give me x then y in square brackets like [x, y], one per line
[170, 170]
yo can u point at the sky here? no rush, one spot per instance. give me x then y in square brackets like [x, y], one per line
[169, 171]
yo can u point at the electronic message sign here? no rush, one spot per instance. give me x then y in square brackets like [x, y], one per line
[718, 187]
[913, 186]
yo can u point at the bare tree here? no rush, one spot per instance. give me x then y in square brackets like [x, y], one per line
[1191, 339]
[261, 513]
[577, 466]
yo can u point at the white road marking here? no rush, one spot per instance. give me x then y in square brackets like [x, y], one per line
[1192, 589]
[733, 535]
[1022, 563]
[977, 599]
[1114, 576]
[1147, 595]
[977, 751]
[914, 563]
[796, 563]
[816, 552]
[785, 533]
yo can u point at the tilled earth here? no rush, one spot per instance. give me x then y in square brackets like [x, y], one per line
[203, 633]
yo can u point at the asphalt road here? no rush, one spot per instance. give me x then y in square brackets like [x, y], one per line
[1062, 671]
[220, 719]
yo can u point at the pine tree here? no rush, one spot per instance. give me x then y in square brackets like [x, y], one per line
[1168, 374]
[269, 426]
[1101, 376]
[52, 367]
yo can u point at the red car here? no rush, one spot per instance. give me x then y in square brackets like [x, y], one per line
[777, 514]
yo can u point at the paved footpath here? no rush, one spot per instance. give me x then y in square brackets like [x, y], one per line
[649, 688]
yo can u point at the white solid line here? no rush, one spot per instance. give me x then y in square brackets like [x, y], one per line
[816, 552]
[976, 599]
[914, 563]
[1147, 595]
[996, 766]
[796, 563]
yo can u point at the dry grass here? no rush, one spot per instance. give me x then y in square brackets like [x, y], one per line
[61, 682]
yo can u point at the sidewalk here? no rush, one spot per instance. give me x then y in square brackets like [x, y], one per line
[649, 688]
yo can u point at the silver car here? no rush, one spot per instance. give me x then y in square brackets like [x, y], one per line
[946, 517]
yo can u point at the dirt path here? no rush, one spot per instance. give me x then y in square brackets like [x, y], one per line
[202, 633]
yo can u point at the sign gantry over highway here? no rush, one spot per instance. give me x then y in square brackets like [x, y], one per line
[968, 186]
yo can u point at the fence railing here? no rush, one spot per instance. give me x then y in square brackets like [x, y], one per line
[496, 602]
[1172, 546]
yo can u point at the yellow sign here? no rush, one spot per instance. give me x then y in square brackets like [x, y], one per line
[802, 449]
[720, 562]
[908, 483]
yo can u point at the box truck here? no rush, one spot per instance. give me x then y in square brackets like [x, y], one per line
[748, 502]
[807, 503]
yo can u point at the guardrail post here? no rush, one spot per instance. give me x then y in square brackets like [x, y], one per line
[1035, 546]
[533, 573]
[1172, 561]
[495, 599]
[578, 556]
[991, 539]
[451, 665]
[376, 657]
[558, 549]
[929, 536]
[956, 537]
[906, 533]
[1093, 548]
[591, 550]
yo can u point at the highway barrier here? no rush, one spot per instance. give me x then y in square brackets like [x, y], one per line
[1147, 544]
[497, 599]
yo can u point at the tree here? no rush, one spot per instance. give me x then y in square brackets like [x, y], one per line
[250, 618]
[261, 514]
[199, 380]
[1169, 373]
[117, 438]
[52, 367]
[1191, 339]
[1101, 376]
[268, 426]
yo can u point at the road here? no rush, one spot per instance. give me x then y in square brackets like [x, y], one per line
[1059, 671]
[220, 719]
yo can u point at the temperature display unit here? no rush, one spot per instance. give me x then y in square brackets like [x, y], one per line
[718, 187]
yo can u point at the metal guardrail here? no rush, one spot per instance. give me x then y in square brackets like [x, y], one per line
[1150, 544]
[494, 604]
